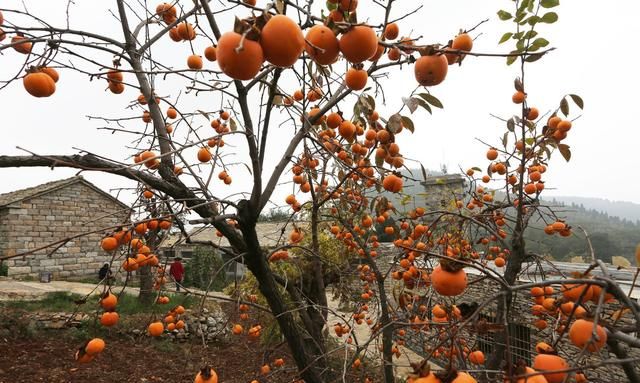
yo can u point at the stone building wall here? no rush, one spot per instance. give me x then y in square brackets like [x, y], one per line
[70, 210]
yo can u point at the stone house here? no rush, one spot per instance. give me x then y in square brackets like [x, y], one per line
[41, 217]
[270, 234]
[440, 190]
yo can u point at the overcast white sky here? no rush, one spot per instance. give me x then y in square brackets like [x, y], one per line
[593, 59]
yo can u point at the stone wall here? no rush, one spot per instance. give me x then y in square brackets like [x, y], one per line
[523, 332]
[524, 329]
[41, 220]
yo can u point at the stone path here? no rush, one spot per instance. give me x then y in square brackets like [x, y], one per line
[20, 290]
[363, 333]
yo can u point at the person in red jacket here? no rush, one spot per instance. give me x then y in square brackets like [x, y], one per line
[177, 271]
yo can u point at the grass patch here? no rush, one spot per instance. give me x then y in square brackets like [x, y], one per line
[54, 301]
[61, 301]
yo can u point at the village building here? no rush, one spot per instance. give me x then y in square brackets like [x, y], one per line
[49, 224]
[270, 235]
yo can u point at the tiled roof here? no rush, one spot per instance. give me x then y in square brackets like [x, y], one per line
[23, 194]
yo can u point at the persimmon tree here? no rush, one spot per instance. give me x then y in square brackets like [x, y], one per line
[316, 70]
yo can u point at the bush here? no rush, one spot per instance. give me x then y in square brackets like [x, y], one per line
[202, 267]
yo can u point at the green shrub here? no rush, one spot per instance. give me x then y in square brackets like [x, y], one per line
[201, 269]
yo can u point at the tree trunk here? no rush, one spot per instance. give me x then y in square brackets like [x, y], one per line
[514, 266]
[257, 263]
[145, 296]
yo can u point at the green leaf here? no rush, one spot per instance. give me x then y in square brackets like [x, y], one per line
[504, 15]
[534, 57]
[407, 123]
[519, 17]
[505, 37]
[511, 125]
[379, 161]
[431, 99]
[424, 172]
[512, 59]
[371, 101]
[411, 103]
[578, 100]
[280, 6]
[540, 42]
[505, 139]
[523, 5]
[565, 151]
[549, 3]
[395, 123]
[533, 20]
[530, 34]
[424, 104]
[549, 18]
[205, 114]
[332, 6]
[564, 107]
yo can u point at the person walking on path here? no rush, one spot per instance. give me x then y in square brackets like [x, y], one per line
[105, 274]
[177, 271]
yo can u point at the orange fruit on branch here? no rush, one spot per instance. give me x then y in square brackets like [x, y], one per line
[204, 155]
[109, 302]
[24, 47]
[282, 41]
[431, 70]
[109, 318]
[392, 183]
[39, 84]
[448, 283]
[550, 362]
[347, 5]
[580, 334]
[391, 31]
[109, 244]
[51, 72]
[518, 97]
[322, 45]
[211, 53]
[356, 79]
[194, 62]
[240, 62]
[359, 44]
[185, 31]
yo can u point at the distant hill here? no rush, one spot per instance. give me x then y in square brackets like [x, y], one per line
[625, 210]
[610, 235]
[613, 227]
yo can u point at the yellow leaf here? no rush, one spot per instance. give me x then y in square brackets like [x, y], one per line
[638, 255]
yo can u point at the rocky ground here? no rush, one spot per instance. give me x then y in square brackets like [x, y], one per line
[172, 361]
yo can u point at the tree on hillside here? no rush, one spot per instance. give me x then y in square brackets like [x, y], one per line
[318, 71]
